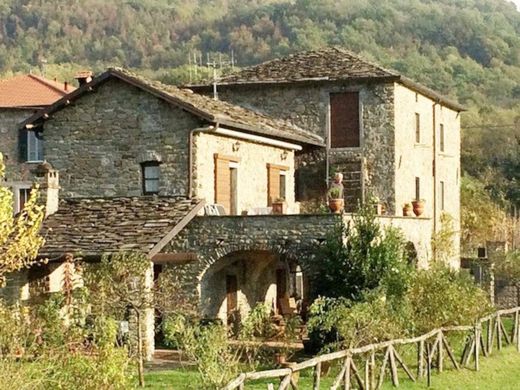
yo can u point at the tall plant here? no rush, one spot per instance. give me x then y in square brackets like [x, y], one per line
[20, 238]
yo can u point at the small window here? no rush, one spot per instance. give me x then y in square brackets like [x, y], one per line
[417, 188]
[442, 194]
[34, 146]
[417, 128]
[151, 174]
[283, 184]
[23, 196]
[441, 137]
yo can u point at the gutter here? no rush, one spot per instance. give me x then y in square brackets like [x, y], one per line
[190, 156]
[434, 170]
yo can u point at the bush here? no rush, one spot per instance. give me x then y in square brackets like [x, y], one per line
[432, 298]
[358, 258]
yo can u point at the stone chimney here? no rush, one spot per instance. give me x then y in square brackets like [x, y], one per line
[83, 77]
[49, 187]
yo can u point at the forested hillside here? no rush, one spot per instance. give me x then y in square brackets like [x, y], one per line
[469, 49]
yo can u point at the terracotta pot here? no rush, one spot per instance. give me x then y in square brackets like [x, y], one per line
[279, 207]
[408, 211]
[280, 358]
[418, 207]
[336, 205]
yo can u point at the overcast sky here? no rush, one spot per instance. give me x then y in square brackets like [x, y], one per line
[517, 2]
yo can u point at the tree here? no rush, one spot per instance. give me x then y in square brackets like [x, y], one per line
[20, 238]
[121, 283]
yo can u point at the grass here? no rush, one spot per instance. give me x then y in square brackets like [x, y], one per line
[500, 371]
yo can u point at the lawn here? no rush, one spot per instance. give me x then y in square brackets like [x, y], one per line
[501, 371]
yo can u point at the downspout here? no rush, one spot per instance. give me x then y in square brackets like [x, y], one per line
[434, 171]
[190, 156]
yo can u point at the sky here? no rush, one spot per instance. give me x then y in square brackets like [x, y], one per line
[517, 2]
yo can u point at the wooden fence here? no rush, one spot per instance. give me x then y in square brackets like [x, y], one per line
[433, 349]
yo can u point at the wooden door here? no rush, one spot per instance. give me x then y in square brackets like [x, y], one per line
[231, 297]
[226, 182]
[344, 120]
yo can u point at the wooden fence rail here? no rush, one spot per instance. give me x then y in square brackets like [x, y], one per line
[433, 349]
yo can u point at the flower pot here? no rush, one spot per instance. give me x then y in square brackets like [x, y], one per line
[279, 207]
[336, 205]
[418, 207]
[408, 211]
[280, 358]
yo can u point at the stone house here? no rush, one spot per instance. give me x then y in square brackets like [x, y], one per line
[391, 137]
[140, 166]
[20, 97]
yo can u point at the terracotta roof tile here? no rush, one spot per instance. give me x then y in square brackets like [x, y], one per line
[94, 226]
[26, 91]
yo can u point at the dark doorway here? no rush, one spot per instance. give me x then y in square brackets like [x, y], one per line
[281, 287]
[232, 298]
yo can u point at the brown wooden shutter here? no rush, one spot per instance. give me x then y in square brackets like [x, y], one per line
[344, 120]
[273, 182]
[223, 181]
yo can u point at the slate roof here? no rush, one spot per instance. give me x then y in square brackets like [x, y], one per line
[327, 64]
[31, 91]
[213, 111]
[94, 226]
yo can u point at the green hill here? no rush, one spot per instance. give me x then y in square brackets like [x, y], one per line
[468, 49]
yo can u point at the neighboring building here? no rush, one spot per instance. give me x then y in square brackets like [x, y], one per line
[392, 138]
[20, 97]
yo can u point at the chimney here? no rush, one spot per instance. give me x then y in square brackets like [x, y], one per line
[83, 77]
[49, 187]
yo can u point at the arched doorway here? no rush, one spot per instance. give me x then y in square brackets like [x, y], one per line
[238, 281]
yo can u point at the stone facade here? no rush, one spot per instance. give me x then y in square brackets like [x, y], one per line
[98, 144]
[252, 159]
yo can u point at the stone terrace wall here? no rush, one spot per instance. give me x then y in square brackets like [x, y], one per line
[98, 143]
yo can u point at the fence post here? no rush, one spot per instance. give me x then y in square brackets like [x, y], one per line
[317, 376]
[420, 359]
[517, 319]
[477, 345]
[440, 352]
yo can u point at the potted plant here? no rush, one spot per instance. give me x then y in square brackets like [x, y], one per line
[408, 210]
[418, 206]
[336, 203]
[279, 206]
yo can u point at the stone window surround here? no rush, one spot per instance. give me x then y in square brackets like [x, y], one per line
[326, 100]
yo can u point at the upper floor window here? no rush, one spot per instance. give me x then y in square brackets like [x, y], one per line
[417, 128]
[276, 183]
[31, 146]
[344, 120]
[441, 137]
[442, 194]
[417, 188]
[151, 174]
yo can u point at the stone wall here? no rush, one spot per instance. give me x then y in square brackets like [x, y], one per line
[98, 143]
[252, 169]
[415, 159]
[16, 168]
[307, 105]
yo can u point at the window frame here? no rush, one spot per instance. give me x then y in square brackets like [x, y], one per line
[442, 143]
[34, 139]
[417, 128]
[145, 179]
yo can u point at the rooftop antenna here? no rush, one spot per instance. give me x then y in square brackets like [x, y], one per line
[213, 64]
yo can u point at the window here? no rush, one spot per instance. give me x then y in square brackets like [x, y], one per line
[151, 174]
[417, 188]
[344, 120]
[276, 183]
[23, 197]
[226, 182]
[34, 146]
[441, 137]
[417, 128]
[442, 194]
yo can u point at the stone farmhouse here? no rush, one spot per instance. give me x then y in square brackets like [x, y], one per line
[190, 180]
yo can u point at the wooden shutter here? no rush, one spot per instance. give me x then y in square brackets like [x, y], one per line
[223, 181]
[344, 120]
[273, 182]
